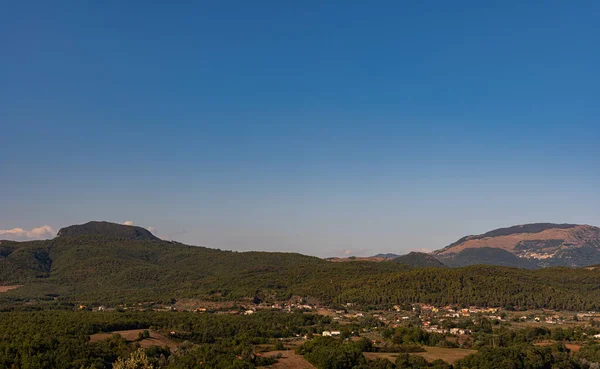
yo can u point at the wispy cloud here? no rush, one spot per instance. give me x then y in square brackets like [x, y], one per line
[151, 229]
[20, 234]
[173, 235]
[349, 252]
[424, 250]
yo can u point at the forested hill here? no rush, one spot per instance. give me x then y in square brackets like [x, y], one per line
[419, 259]
[98, 268]
[112, 230]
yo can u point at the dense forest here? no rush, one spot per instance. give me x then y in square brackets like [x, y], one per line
[112, 269]
[331, 353]
[60, 339]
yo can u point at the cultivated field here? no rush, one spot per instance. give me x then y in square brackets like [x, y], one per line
[381, 355]
[8, 288]
[571, 346]
[289, 360]
[449, 355]
[156, 339]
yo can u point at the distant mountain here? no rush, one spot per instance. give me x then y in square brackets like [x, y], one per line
[387, 256]
[527, 246]
[489, 256]
[419, 259]
[113, 230]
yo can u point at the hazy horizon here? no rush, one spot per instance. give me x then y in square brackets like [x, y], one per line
[324, 129]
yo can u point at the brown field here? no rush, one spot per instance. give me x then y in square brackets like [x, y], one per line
[156, 338]
[326, 312]
[381, 355]
[289, 360]
[571, 346]
[449, 355]
[8, 288]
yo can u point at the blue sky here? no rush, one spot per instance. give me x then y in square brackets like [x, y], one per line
[322, 128]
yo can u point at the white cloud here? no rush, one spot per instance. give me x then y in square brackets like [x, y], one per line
[349, 252]
[20, 234]
[151, 229]
[424, 250]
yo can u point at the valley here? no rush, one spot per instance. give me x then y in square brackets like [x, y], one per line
[105, 291]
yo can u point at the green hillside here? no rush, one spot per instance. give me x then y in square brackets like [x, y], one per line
[110, 268]
[117, 231]
[419, 259]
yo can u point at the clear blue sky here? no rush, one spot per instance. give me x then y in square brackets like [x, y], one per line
[318, 128]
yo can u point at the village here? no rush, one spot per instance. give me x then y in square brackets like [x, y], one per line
[451, 332]
[446, 320]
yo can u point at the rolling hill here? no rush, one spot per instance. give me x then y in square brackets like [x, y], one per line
[388, 255]
[419, 259]
[108, 264]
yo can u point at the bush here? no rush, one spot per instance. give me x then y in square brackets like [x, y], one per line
[279, 346]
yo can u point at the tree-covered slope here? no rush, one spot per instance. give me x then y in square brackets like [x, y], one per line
[104, 269]
[107, 229]
[419, 259]
[23, 261]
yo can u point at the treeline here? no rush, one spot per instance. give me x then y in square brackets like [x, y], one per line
[413, 334]
[522, 357]
[556, 288]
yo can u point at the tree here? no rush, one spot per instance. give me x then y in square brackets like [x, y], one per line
[279, 346]
[365, 345]
[136, 360]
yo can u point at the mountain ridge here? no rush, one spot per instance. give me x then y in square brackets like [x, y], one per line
[107, 269]
[536, 244]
